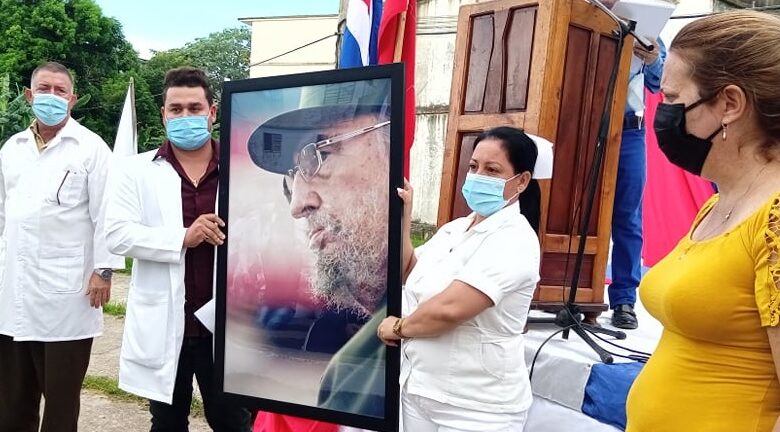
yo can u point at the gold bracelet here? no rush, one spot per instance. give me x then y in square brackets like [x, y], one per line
[397, 328]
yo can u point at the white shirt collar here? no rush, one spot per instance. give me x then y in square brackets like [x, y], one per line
[491, 223]
[70, 130]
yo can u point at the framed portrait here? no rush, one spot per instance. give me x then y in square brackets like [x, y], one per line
[309, 166]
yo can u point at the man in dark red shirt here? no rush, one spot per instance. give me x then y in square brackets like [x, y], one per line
[162, 213]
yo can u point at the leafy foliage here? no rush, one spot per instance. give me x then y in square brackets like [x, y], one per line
[76, 34]
[223, 55]
[15, 112]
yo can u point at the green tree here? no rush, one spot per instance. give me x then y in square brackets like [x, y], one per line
[76, 34]
[150, 130]
[31, 32]
[223, 56]
[15, 113]
[153, 71]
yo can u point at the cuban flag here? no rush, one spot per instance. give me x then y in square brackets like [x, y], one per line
[359, 43]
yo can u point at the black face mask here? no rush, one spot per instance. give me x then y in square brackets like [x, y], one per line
[681, 148]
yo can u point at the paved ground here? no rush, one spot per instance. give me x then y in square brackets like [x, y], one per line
[100, 413]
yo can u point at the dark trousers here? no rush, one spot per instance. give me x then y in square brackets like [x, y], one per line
[627, 219]
[196, 359]
[30, 369]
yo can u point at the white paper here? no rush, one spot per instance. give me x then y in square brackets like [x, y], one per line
[650, 16]
[206, 315]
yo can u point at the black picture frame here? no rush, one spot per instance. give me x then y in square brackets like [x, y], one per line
[389, 422]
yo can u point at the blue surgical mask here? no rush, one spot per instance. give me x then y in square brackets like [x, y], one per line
[188, 133]
[49, 109]
[484, 194]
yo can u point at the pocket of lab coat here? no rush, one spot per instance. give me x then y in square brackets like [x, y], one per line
[61, 269]
[146, 331]
[66, 188]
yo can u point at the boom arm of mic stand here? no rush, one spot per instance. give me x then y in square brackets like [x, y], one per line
[626, 27]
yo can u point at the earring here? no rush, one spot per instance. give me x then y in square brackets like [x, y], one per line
[725, 126]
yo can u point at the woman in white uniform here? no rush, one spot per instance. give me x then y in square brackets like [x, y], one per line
[466, 297]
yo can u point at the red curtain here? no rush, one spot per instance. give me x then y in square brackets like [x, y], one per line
[672, 196]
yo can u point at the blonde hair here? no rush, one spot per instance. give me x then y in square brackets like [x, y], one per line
[739, 48]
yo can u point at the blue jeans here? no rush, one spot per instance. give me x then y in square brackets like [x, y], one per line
[627, 219]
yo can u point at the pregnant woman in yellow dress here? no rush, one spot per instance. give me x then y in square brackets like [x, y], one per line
[717, 293]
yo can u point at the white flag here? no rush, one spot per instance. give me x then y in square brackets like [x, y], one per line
[126, 143]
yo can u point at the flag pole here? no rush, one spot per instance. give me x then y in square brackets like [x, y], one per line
[399, 37]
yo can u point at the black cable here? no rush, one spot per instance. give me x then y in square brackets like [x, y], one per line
[620, 346]
[539, 350]
[295, 49]
[638, 356]
[91, 108]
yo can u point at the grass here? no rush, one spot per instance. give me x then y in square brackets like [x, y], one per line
[196, 407]
[128, 266]
[115, 309]
[110, 387]
[418, 239]
[421, 233]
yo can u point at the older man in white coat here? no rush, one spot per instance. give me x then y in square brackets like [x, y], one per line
[55, 267]
[161, 213]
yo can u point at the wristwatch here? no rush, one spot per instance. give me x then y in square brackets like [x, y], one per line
[104, 273]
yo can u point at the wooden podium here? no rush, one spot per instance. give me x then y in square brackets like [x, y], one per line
[542, 66]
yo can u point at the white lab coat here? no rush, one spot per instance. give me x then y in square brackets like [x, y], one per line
[144, 221]
[51, 206]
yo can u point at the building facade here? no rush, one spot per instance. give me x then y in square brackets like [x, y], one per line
[292, 44]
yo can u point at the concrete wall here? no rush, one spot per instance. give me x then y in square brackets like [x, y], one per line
[272, 36]
[436, 26]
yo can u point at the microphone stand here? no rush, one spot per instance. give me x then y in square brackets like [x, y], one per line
[570, 317]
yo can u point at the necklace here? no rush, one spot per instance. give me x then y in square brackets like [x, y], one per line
[741, 197]
[725, 218]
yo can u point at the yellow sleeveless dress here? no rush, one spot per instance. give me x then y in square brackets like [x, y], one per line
[713, 369]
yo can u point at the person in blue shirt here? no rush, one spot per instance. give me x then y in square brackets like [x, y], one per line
[646, 70]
